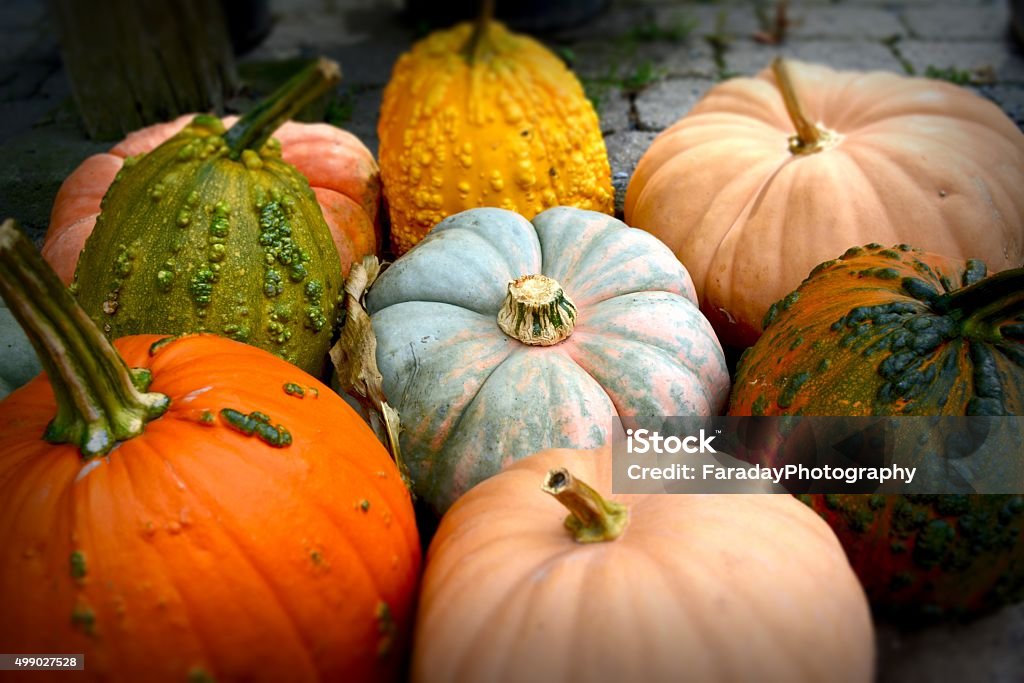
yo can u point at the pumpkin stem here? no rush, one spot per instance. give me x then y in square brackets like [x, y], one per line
[472, 50]
[985, 304]
[592, 519]
[536, 311]
[809, 138]
[255, 128]
[99, 400]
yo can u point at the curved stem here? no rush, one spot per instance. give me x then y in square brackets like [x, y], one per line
[99, 400]
[997, 298]
[809, 137]
[476, 39]
[255, 128]
[592, 519]
[536, 311]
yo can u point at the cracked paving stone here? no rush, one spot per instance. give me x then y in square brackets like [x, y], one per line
[855, 23]
[666, 102]
[624, 151]
[613, 111]
[1004, 64]
[959, 23]
[749, 58]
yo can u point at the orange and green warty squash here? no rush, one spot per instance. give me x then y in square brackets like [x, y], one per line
[897, 331]
[708, 588]
[192, 508]
[479, 116]
[212, 231]
[497, 336]
[767, 177]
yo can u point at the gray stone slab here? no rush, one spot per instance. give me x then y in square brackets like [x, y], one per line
[853, 23]
[901, 4]
[368, 62]
[847, 56]
[663, 104]
[624, 151]
[988, 649]
[45, 156]
[15, 43]
[959, 23]
[749, 57]
[613, 22]
[987, 59]
[21, 14]
[613, 109]
[619, 62]
[365, 108]
[23, 80]
[736, 20]
[695, 58]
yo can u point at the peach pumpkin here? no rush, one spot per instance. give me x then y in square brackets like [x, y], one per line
[750, 208]
[659, 587]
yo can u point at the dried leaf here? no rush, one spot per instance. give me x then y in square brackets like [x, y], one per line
[355, 360]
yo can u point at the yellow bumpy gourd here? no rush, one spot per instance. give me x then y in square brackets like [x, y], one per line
[479, 116]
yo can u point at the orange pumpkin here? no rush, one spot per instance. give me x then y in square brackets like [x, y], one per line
[340, 169]
[663, 587]
[214, 514]
[750, 208]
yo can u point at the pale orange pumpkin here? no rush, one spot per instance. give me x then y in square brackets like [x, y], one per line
[750, 208]
[667, 587]
[340, 169]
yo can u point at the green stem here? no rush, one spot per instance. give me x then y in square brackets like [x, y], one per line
[473, 49]
[255, 128]
[592, 519]
[98, 398]
[982, 306]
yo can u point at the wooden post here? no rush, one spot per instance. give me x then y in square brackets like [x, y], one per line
[136, 62]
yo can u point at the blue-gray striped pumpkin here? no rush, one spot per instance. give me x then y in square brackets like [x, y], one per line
[613, 328]
[18, 362]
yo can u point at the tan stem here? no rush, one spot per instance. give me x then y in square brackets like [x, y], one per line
[809, 137]
[592, 518]
[536, 311]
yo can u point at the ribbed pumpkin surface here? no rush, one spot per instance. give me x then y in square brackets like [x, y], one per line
[913, 160]
[473, 398]
[194, 550]
[509, 127]
[699, 588]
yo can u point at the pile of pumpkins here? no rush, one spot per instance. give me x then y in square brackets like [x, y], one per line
[187, 499]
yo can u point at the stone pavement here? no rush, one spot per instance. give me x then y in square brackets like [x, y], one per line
[644, 63]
